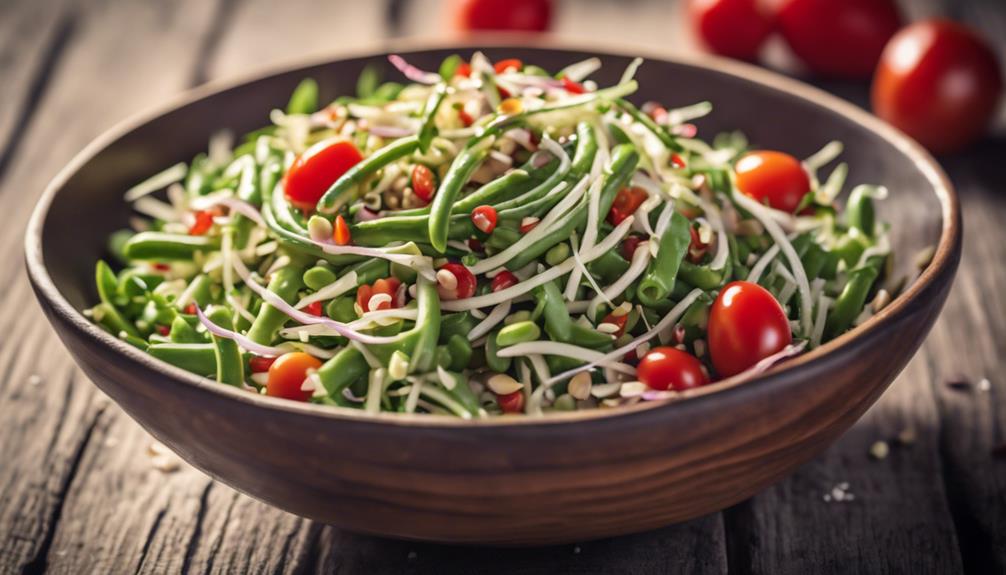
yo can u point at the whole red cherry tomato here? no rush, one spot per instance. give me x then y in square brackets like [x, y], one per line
[734, 28]
[314, 171]
[670, 368]
[529, 15]
[839, 38]
[773, 178]
[939, 83]
[287, 375]
[746, 325]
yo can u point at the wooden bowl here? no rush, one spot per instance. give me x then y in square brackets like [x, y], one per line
[512, 480]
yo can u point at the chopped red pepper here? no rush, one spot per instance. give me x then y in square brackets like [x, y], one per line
[314, 308]
[464, 69]
[573, 87]
[627, 201]
[202, 223]
[163, 330]
[340, 232]
[511, 402]
[509, 63]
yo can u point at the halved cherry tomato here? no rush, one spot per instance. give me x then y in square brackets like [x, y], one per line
[424, 184]
[511, 402]
[387, 286]
[572, 87]
[840, 38]
[363, 295]
[202, 223]
[340, 231]
[484, 218]
[746, 325]
[773, 178]
[503, 280]
[627, 201]
[617, 320]
[287, 375]
[939, 83]
[629, 245]
[532, 15]
[464, 282]
[670, 368]
[734, 28]
[314, 308]
[259, 364]
[508, 64]
[314, 171]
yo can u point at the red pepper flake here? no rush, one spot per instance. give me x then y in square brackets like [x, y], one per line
[464, 69]
[202, 224]
[314, 308]
[485, 217]
[573, 87]
[677, 161]
[340, 232]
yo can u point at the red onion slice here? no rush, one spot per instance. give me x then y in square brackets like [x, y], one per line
[411, 72]
[241, 340]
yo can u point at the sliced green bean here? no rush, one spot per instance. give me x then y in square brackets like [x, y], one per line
[343, 189]
[558, 324]
[661, 272]
[199, 358]
[230, 365]
[285, 283]
[162, 246]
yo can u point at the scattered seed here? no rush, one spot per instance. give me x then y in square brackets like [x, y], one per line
[879, 450]
[579, 385]
[502, 384]
[984, 384]
[907, 436]
[603, 390]
[633, 389]
[608, 328]
[34, 380]
[447, 280]
[839, 493]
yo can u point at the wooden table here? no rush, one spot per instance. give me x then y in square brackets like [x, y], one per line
[84, 490]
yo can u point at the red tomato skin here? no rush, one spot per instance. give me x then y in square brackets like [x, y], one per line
[287, 375]
[664, 368]
[511, 402]
[527, 15]
[733, 28]
[775, 178]
[314, 171]
[939, 83]
[423, 183]
[746, 325]
[838, 38]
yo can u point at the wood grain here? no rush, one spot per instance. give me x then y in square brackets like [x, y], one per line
[61, 427]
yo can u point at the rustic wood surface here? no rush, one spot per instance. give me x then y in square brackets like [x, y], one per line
[81, 490]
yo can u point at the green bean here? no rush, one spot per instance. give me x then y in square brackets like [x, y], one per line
[342, 309]
[420, 344]
[623, 162]
[168, 247]
[117, 245]
[659, 131]
[461, 352]
[230, 365]
[859, 211]
[564, 402]
[381, 232]
[449, 66]
[609, 267]
[814, 260]
[459, 323]
[658, 281]
[538, 193]
[319, 277]
[557, 254]
[493, 360]
[502, 238]
[107, 289]
[137, 342]
[850, 302]
[428, 127]
[182, 332]
[248, 184]
[457, 176]
[199, 358]
[343, 369]
[558, 324]
[370, 271]
[341, 191]
[510, 183]
[586, 149]
[285, 283]
[702, 276]
[461, 392]
[850, 247]
[589, 337]
[304, 99]
[518, 332]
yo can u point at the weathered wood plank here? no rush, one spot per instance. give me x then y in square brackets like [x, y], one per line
[51, 413]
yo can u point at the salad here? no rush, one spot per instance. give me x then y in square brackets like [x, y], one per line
[492, 238]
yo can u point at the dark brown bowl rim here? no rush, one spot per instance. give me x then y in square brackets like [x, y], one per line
[943, 262]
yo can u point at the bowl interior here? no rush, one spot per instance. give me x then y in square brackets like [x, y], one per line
[771, 118]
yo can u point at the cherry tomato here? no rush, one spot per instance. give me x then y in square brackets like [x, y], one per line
[531, 15]
[734, 28]
[423, 183]
[314, 308]
[287, 375]
[388, 286]
[508, 64]
[746, 325]
[839, 38]
[939, 83]
[259, 364]
[629, 245]
[363, 295]
[202, 224]
[670, 368]
[340, 231]
[627, 201]
[503, 280]
[572, 87]
[464, 282]
[511, 402]
[484, 218]
[314, 171]
[773, 178]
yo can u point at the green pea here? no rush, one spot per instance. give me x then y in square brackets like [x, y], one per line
[557, 254]
[518, 332]
[319, 277]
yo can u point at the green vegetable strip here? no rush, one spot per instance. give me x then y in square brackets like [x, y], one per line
[168, 247]
[199, 358]
[343, 188]
[230, 366]
[285, 283]
[658, 281]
